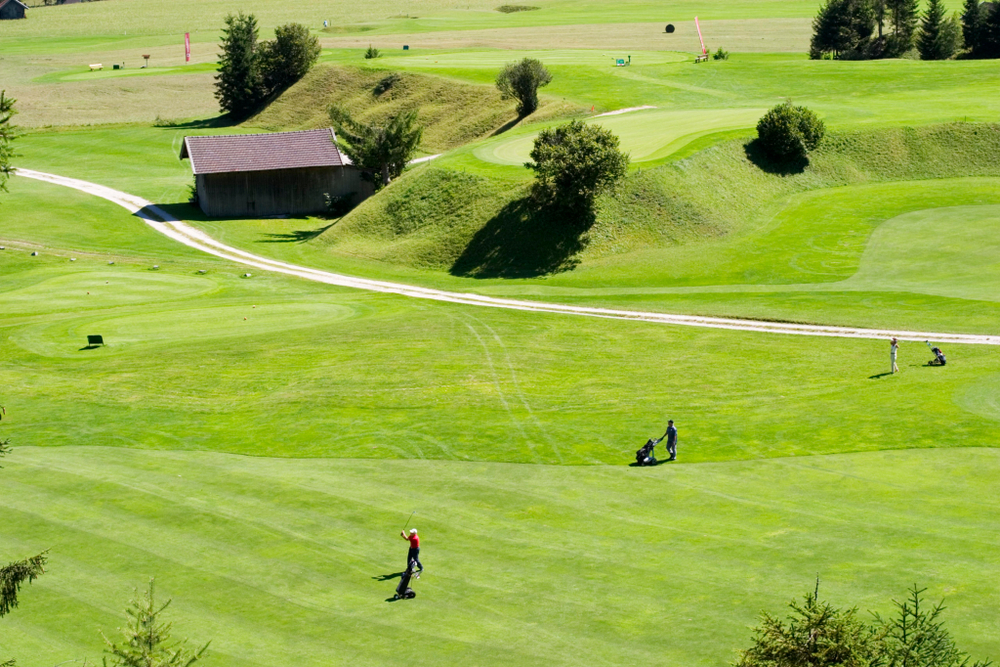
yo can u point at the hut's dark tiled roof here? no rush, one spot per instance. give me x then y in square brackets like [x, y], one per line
[263, 152]
[17, 2]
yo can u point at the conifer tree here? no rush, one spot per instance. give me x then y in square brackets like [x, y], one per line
[972, 27]
[905, 18]
[16, 574]
[147, 639]
[239, 85]
[8, 133]
[939, 36]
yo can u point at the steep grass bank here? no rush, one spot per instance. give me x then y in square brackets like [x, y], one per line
[452, 113]
[434, 217]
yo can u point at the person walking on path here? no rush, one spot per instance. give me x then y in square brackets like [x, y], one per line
[413, 555]
[672, 440]
[893, 349]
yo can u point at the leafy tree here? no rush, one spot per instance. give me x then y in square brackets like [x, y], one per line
[815, 634]
[378, 149]
[239, 84]
[573, 163]
[788, 132]
[288, 57]
[8, 133]
[147, 638]
[972, 27]
[916, 637]
[939, 36]
[521, 81]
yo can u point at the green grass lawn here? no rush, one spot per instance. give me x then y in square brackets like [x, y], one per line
[255, 442]
[284, 561]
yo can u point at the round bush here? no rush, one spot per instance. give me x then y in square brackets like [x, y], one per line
[788, 132]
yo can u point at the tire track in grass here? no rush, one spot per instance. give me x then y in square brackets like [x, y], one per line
[181, 232]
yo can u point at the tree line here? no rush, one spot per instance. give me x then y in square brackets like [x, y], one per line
[872, 29]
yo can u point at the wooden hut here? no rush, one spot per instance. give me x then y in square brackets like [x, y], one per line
[260, 175]
[12, 9]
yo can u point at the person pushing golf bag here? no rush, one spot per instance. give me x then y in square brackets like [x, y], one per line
[403, 590]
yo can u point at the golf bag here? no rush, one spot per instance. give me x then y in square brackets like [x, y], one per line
[403, 590]
[939, 358]
[644, 456]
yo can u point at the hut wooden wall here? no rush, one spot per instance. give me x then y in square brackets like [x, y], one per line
[255, 194]
[11, 10]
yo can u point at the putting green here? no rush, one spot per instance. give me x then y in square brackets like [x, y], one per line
[647, 135]
[945, 251]
[61, 338]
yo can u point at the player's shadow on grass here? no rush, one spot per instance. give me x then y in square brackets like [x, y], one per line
[880, 375]
[756, 154]
[525, 240]
[388, 577]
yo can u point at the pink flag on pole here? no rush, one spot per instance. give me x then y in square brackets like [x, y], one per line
[187, 47]
[700, 38]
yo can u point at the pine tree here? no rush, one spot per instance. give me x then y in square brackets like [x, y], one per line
[382, 151]
[16, 574]
[929, 42]
[8, 133]
[972, 27]
[239, 85]
[147, 639]
[989, 40]
[844, 28]
[904, 25]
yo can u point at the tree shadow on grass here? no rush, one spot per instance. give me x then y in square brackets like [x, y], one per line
[297, 236]
[755, 153]
[525, 240]
[200, 124]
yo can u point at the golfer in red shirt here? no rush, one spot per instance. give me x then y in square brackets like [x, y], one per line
[413, 555]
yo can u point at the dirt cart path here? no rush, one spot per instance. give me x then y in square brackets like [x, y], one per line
[195, 238]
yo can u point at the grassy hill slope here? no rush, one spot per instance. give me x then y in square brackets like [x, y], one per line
[452, 113]
[471, 224]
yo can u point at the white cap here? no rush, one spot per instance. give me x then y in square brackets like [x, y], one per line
[412, 531]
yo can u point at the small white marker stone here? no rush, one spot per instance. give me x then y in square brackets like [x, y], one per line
[246, 275]
[72, 259]
[34, 254]
[110, 263]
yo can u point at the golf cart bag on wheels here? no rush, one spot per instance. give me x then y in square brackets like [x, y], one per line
[644, 456]
[403, 590]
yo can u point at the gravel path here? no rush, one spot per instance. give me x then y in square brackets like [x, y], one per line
[195, 238]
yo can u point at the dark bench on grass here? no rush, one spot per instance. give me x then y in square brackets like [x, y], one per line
[94, 341]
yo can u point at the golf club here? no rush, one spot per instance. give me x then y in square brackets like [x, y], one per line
[408, 520]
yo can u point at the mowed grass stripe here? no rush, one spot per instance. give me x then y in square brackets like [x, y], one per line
[270, 556]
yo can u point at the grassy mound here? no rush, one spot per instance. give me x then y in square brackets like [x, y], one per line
[440, 218]
[452, 113]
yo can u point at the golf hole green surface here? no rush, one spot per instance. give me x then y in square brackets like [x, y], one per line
[64, 337]
[646, 135]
